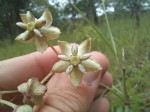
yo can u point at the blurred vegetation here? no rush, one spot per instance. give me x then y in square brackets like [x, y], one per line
[129, 26]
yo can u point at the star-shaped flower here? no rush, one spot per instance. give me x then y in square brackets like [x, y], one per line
[75, 60]
[39, 30]
[33, 91]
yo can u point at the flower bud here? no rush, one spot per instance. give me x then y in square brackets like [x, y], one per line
[23, 108]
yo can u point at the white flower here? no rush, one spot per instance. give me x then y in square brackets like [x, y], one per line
[75, 60]
[39, 30]
[33, 91]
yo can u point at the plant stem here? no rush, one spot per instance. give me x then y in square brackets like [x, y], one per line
[8, 92]
[53, 48]
[108, 88]
[109, 30]
[47, 77]
[127, 100]
[8, 103]
[94, 27]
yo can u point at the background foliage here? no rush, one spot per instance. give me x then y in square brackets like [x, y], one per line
[129, 25]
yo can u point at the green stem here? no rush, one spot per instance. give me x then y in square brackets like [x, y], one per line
[94, 27]
[126, 96]
[108, 88]
[8, 103]
[109, 30]
[8, 92]
[47, 77]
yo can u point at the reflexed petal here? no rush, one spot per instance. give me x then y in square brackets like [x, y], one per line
[23, 88]
[60, 66]
[37, 100]
[37, 88]
[51, 32]
[24, 18]
[69, 69]
[27, 100]
[41, 43]
[22, 25]
[28, 17]
[65, 47]
[64, 57]
[91, 65]
[26, 36]
[76, 76]
[84, 47]
[37, 32]
[39, 23]
[85, 56]
[48, 17]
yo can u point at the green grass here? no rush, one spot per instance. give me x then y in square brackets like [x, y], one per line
[135, 41]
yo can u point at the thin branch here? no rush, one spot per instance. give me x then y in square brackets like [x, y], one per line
[8, 103]
[53, 48]
[47, 77]
[8, 92]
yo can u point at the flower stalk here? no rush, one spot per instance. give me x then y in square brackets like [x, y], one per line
[53, 48]
[8, 92]
[8, 103]
[47, 77]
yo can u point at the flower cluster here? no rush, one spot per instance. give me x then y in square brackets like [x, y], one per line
[39, 30]
[33, 91]
[75, 60]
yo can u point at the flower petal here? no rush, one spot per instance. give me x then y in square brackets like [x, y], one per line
[85, 56]
[27, 100]
[48, 17]
[91, 65]
[50, 32]
[41, 43]
[84, 47]
[65, 47]
[39, 23]
[37, 100]
[28, 17]
[37, 88]
[23, 87]
[60, 66]
[26, 36]
[22, 25]
[76, 76]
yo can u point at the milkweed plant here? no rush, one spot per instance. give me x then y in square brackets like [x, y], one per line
[75, 59]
